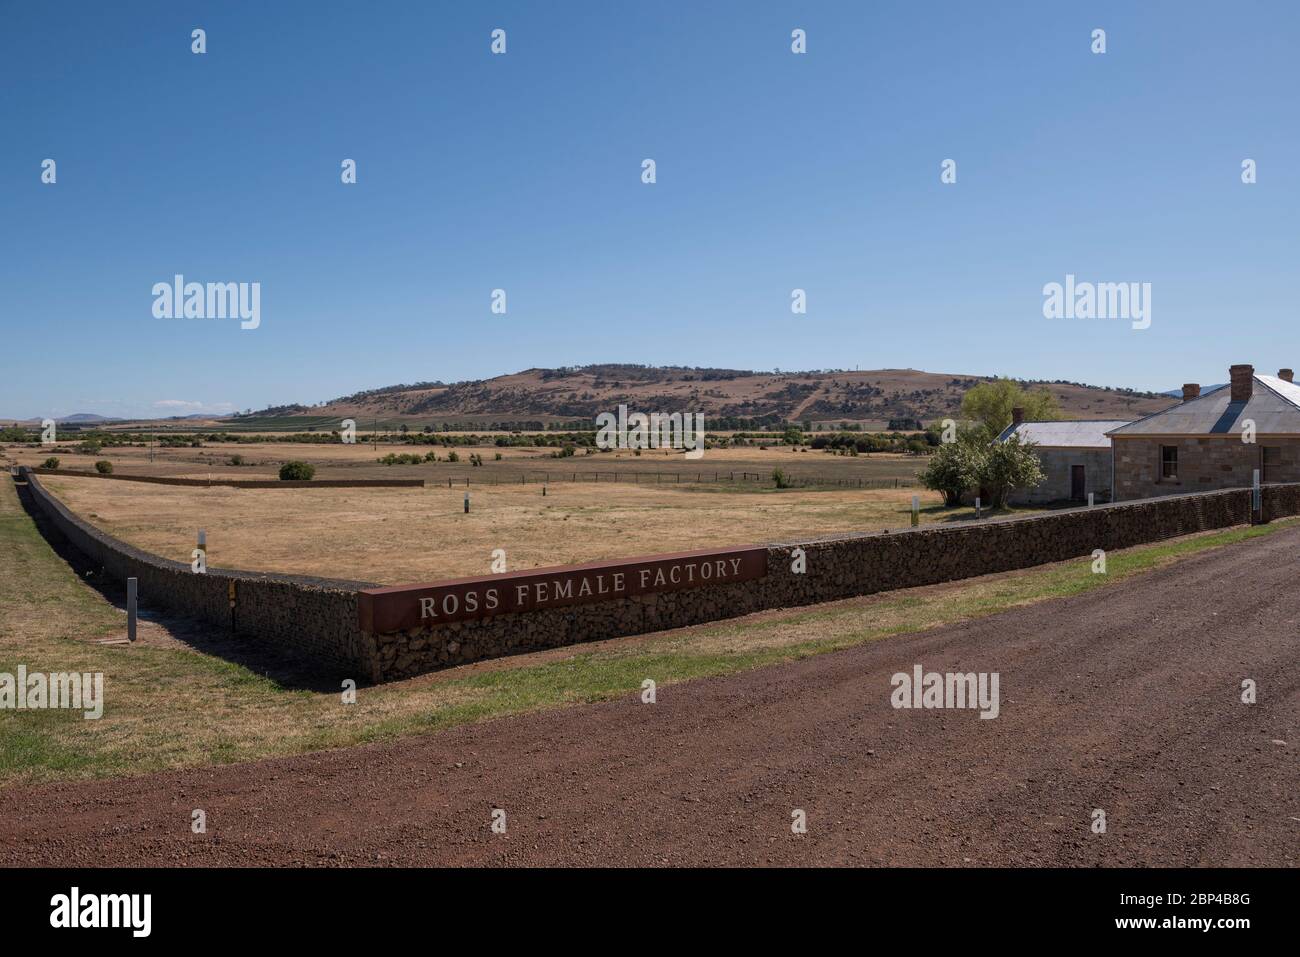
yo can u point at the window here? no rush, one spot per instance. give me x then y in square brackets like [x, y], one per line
[1169, 462]
[1270, 461]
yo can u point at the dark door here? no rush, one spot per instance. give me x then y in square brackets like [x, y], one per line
[1077, 493]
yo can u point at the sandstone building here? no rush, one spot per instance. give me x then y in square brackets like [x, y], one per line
[1198, 445]
[1076, 458]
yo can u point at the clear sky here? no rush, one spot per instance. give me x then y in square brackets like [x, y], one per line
[522, 172]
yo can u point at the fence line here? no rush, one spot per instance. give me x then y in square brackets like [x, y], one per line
[540, 477]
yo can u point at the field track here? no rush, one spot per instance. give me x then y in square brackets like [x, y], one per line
[1125, 698]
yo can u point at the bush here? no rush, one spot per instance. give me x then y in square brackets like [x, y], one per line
[104, 467]
[1009, 465]
[296, 472]
[952, 470]
[781, 479]
[235, 460]
[453, 456]
[497, 457]
[50, 463]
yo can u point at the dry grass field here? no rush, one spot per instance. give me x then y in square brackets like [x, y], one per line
[395, 536]
[333, 461]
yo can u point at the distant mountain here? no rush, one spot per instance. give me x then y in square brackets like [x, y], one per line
[84, 417]
[1178, 393]
[872, 397]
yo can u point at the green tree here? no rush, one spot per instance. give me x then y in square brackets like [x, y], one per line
[1008, 465]
[953, 469]
[296, 472]
[990, 404]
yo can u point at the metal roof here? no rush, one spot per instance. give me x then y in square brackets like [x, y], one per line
[1065, 435]
[1274, 405]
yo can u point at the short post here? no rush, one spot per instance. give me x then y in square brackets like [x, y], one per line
[916, 510]
[1256, 499]
[203, 542]
[467, 503]
[130, 608]
[977, 507]
[543, 491]
[1090, 500]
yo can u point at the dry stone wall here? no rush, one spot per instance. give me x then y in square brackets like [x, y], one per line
[319, 618]
[314, 619]
[240, 483]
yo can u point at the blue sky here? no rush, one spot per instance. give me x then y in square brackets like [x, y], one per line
[523, 172]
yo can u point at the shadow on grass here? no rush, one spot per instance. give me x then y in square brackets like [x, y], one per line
[246, 651]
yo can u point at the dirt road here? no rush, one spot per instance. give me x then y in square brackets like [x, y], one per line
[1126, 699]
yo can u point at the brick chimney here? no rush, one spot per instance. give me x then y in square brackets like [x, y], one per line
[1286, 375]
[1191, 390]
[1243, 382]
[1017, 415]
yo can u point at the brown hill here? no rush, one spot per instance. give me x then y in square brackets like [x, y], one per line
[871, 397]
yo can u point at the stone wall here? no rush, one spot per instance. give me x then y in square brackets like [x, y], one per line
[240, 483]
[319, 618]
[314, 619]
[838, 567]
[1204, 463]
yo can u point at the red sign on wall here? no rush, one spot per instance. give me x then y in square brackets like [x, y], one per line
[412, 606]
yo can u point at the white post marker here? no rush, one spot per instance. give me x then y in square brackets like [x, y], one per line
[467, 503]
[1257, 494]
[916, 510]
[1090, 494]
[130, 608]
[977, 506]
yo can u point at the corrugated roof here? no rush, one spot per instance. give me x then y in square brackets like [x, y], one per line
[1274, 405]
[1065, 435]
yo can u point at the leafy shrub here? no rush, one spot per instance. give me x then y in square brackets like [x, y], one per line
[50, 463]
[296, 472]
[1009, 465]
[781, 480]
[104, 467]
[452, 456]
[404, 458]
[235, 460]
[497, 456]
[952, 470]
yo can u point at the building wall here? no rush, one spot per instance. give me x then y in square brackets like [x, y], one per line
[1057, 463]
[1205, 463]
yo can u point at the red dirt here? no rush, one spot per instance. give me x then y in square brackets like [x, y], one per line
[1125, 699]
